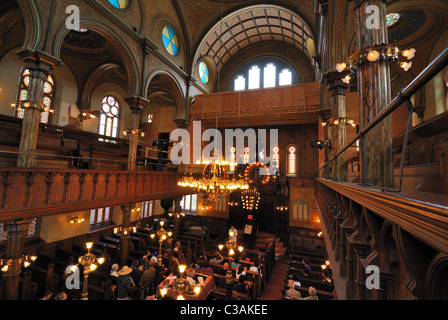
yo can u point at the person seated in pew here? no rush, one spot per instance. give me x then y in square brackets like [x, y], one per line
[202, 259]
[206, 267]
[326, 275]
[236, 262]
[306, 267]
[222, 271]
[195, 266]
[312, 294]
[241, 271]
[292, 293]
[125, 284]
[218, 258]
[256, 268]
[168, 245]
[191, 276]
[241, 287]
[177, 248]
[113, 276]
[61, 296]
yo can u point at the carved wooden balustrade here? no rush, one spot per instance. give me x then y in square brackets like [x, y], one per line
[30, 192]
[404, 235]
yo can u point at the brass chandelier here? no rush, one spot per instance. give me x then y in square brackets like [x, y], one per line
[214, 182]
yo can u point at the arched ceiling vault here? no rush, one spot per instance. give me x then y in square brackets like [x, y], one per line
[252, 25]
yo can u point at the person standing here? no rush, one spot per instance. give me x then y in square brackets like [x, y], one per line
[125, 284]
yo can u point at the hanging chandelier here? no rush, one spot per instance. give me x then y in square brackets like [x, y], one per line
[214, 182]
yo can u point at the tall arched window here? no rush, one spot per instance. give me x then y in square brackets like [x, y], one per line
[285, 77]
[232, 159]
[270, 76]
[47, 100]
[254, 77]
[276, 159]
[300, 211]
[246, 155]
[240, 83]
[110, 112]
[292, 161]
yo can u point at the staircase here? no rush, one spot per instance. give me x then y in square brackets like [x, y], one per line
[266, 239]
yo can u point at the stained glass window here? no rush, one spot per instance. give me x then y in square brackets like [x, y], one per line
[232, 159]
[150, 118]
[240, 83]
[170, 41]
[31, 231]
[392, 19]
[269, 76]
[100, 215]
[147, 209]
[47, 100]
[203, 72]
[275, 159]
[292, 160]
[110, 112]
[120, 4]
[246, 155]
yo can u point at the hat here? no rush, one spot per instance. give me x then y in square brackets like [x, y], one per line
[124, 271]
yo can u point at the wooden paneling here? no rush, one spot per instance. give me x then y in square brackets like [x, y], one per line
[285, 103]
[38, 192]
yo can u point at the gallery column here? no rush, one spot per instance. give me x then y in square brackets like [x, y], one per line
[374, 90]
[16, 232]
[40, 66]
[136, 104]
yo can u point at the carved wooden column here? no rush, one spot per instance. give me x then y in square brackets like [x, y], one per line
[351, 265]
[136, 104]
[176, 218]
[40, 65]
[374, 92]
[125, 237]
[16, 233]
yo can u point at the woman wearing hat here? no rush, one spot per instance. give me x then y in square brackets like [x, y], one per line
[125, 284]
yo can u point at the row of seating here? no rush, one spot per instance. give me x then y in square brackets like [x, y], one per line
[309, 267]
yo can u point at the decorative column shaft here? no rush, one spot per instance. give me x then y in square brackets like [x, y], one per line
[40, 65]
[374, 92]
[136, 104]
[125, 237]
[16, 232]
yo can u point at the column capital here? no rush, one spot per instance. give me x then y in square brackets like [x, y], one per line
[136, 104]
[37, 59]
[182, 123]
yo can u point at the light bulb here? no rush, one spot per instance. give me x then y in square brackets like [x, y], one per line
[341, 67]
[406, 65]
[410, 53]
[373, 55]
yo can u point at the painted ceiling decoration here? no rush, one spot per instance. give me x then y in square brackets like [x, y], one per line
[86, 40]
[253, 25]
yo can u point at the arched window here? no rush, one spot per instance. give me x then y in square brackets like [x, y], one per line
[232, 159]
[47, 100]
[300, 211]
[240, 83]
[204, 74]
[276, 72]
[147, 209]
[98, 216]
[189, 202]
[285, 77]
[292, 161]
[246, 155]
[110, 112]
[276, 159]
[270, 76]
[254, 77]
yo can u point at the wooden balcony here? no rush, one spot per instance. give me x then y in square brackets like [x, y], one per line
[30, 192]
[276, 106]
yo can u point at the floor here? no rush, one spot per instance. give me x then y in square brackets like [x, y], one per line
[273, 288]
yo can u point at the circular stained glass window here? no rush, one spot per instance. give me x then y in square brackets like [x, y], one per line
[203, 72]
[392, 19]
[119, 4]
[110, 106]
[170, 41]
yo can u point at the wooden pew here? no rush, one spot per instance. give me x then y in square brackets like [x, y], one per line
[250, 294]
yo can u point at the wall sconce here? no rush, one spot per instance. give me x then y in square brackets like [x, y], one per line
[339, 121]
[319, 144]
[134, 131]
[233, 204]
[74, 220]
[31, 104]
[26, 260]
